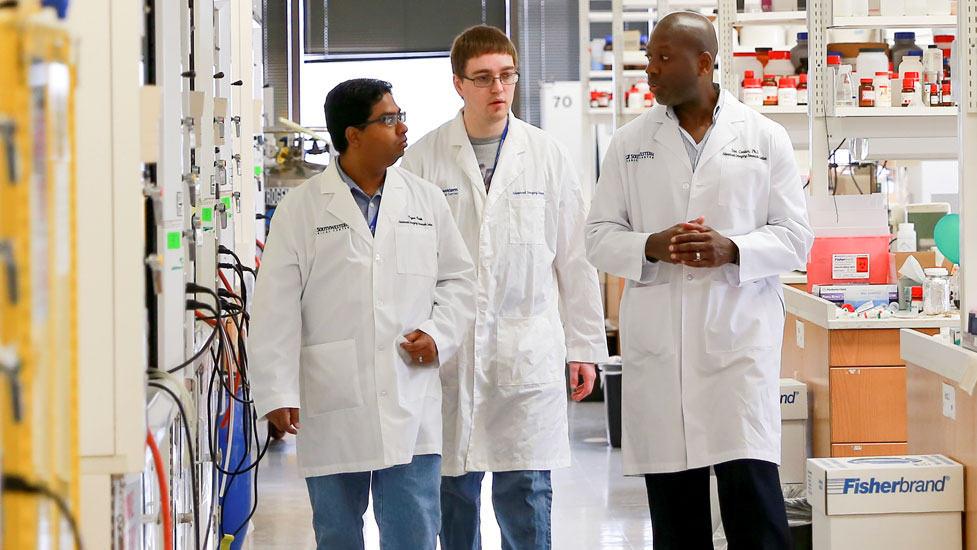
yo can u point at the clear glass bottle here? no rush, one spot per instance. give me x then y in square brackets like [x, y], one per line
[936, 291]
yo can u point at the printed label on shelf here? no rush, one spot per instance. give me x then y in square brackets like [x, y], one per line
[849, 266]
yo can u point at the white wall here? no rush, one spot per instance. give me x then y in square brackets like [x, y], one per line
[421, 87]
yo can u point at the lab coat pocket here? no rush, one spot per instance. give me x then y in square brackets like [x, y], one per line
[330, 377]
[743, 182]
[417, 250]
[524, 345]
[737, 318]
[527, 221]
[646, 316]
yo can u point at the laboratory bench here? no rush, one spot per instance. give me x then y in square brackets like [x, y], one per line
[854, 372]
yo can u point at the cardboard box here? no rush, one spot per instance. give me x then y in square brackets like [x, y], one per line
[856, 295]
[892, 503]
[794, 440]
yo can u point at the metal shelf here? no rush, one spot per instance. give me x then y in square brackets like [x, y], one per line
[877, 112]
[905, 22]
[604, 75]
[769, 110]
[628, 16]
[894, 123]
[771, 18]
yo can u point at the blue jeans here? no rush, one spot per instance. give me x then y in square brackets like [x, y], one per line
[522, 499]
[405, 503]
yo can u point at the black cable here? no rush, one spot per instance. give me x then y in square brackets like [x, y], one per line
[13, 483]
[195, 501]
[196, 356]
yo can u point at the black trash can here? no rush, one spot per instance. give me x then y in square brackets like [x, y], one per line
[611, 379]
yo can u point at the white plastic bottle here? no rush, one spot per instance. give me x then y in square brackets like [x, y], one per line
[906, 238]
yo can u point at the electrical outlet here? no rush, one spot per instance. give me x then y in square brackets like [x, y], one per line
[800, 333]
[949, 401]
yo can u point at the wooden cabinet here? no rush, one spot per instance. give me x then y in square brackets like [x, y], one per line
[856, 382]
[869, 449]
[868, 404]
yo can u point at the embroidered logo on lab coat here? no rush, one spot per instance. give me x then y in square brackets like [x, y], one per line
[744, 154]
[450, 192]
[635, 157]
[330, 228]
[416, 220]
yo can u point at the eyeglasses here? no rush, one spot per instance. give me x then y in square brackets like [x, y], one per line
[485, 81]
[389, 120]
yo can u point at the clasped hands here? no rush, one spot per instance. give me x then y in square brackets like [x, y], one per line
[692, 244]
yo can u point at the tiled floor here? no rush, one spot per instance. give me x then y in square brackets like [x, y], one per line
[594, 506]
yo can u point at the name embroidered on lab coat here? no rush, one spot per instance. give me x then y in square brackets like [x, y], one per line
[448, 192]
[416, 220]
[330, 228]
[635, 157]
[530, 193]
[744, 154]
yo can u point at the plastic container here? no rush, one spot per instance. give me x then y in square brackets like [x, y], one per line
[906, 238]
[946, 43]
[779, 64]
[753, 92]
[802, 89]
[912, 62]
[742, 62]
[787, 92]
[909, 93]
[871, 61]
[932, 64]
[892, 8]
[883, 94]
[936, 291]
[649, 100]
[895, 89]
[845, 87]
[608, 56]
[859, 8]
[769, 86]
[798, 54]
[843, 260]
[866, 93]
[904, 42]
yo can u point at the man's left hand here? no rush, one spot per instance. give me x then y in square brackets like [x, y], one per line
[702, 247]
[421, 347]
[588, 373]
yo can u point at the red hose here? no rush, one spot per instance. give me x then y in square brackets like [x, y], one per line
[164, 492]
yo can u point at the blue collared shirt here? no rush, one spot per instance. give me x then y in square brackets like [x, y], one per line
[695, 149]
[370, 206]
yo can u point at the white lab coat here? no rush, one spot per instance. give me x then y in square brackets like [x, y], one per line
[701, 347]
[330, 305]
[505, 403]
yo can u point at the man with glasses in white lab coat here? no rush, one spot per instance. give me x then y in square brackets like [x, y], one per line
[365, 290]
[516, 197]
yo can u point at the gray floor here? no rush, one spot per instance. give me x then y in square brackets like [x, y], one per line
[594, 506]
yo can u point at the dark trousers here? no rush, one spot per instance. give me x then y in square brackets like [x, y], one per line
[750, 500]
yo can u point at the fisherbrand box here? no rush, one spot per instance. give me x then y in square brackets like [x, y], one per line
[886, 502]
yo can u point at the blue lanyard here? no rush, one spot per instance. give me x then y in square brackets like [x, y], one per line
[497, 153]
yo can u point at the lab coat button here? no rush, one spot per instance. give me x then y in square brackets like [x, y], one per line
[689, 277]
[685, 186]
[383, 394]
[378, 257]
[380, 347]
[379, 303]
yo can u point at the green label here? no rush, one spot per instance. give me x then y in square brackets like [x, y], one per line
[257, 170]
[173, 240]
[227, 205]
[207, 214]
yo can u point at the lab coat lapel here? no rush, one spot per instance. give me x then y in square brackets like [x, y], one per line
[464, 157]
[391, 206]
[511, 162]
[669, 136]
[724, 131]
[342, 204]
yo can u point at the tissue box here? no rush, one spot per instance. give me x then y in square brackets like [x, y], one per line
[857, 295]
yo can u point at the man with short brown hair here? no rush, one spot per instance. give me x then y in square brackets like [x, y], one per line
[514, 193]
